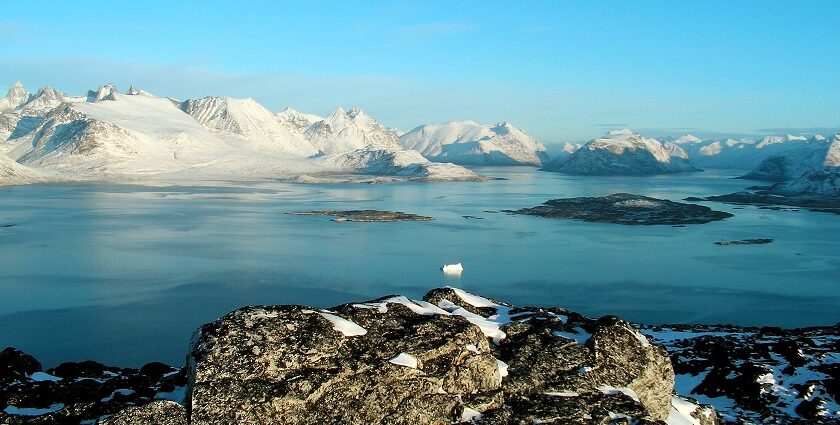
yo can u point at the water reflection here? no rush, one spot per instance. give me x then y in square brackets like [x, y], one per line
[124, 273]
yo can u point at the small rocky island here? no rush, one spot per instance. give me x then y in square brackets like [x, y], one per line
[759, 241]
[367, 216]
[451, 358]
[625, 208]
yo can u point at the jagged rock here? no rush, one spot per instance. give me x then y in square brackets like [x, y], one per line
[455, 357]
[160, 412]
[15, 364]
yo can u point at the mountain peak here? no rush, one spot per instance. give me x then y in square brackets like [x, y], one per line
[17, 95]
[105, 92]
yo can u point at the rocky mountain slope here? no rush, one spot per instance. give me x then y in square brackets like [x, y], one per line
[296, 120]
[623, 152]
[471, 143]
[251, 121]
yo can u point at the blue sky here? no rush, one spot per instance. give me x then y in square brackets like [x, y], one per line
[562, 71]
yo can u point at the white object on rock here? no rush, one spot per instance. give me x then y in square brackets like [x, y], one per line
[452, 268]
[404, 359]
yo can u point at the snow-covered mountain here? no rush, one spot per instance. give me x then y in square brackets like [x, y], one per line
[107, 134]
[801, 158]
[624, 152]
[823, 182]
[742, 154]
[471, 143]
[15, 98]
[343, 131]
[20, 111]
[251, 121]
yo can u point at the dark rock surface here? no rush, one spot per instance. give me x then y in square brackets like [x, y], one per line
[760, 241]
[367, 215]
[75, 392]
[757, 375]
[624, 208]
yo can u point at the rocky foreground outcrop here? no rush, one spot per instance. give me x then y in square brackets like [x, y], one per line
[82, 392]
[451, 358]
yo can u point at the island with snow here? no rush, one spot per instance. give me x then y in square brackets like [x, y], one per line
[625, 208]
[367, 216]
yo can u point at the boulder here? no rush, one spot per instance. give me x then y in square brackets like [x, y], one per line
[452, 358]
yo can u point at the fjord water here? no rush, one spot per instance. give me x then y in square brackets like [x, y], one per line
[123, 274]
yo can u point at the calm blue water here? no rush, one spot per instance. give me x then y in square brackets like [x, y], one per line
[124, 273]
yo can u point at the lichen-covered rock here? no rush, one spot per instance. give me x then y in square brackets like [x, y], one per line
[558, 351]
[160, 412]
[452, 358]
[378, 363]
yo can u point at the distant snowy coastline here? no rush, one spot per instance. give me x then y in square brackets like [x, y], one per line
[107, 135]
